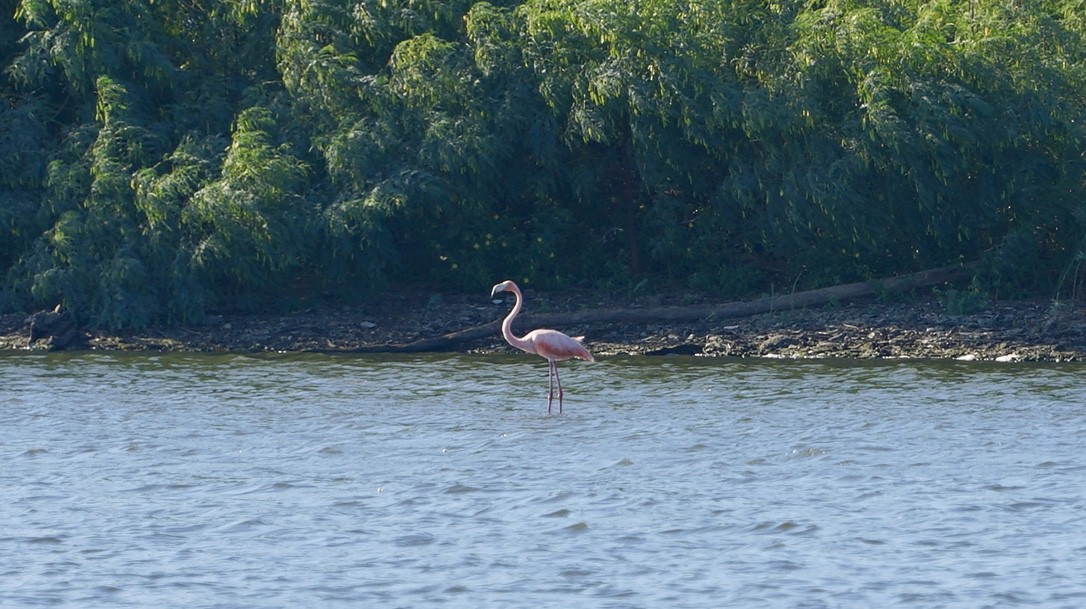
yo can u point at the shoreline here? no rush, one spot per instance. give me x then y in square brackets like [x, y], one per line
[863, 330]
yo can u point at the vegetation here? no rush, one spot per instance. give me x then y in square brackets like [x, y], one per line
[159, 160]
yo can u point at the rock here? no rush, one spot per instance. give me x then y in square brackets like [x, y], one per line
[56, 328]
[1010, 357]
[681, 349]
[717, 345]
[775, 342]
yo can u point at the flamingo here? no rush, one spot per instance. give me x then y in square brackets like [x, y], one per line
[549, 344]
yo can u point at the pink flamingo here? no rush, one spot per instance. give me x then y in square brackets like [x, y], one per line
[549, 344]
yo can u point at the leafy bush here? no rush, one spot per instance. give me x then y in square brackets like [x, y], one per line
[158, 160]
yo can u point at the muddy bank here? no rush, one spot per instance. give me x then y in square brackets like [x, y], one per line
[1011, 331]
[1004, 332]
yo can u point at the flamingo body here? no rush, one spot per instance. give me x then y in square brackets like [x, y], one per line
[554, 345]
[551, 345]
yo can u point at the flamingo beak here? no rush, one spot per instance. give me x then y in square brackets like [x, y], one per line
[496, 289]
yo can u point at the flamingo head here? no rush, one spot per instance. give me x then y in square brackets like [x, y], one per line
[505, 286]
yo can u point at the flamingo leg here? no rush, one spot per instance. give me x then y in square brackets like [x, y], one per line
[550, 391]
[554, 365]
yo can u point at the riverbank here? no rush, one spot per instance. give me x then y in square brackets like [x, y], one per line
[920, 328]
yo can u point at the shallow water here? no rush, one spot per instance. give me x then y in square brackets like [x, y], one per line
[235, 481]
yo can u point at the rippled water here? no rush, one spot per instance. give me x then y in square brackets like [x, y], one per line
[306, 481]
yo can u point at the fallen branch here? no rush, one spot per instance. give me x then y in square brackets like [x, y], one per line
[728, 310]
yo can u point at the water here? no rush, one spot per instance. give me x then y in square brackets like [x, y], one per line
[304, 481]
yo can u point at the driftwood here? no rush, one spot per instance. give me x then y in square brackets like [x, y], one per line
[768, 304]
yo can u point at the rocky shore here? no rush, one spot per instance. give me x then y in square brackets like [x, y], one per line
[920, 328]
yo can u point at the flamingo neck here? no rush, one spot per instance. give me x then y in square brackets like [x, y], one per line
[507, 325]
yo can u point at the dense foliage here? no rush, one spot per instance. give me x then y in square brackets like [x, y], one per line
[159, 160]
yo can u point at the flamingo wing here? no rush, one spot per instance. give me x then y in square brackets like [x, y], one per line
[556, 346]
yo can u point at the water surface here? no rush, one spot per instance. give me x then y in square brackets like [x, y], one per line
[235, 481]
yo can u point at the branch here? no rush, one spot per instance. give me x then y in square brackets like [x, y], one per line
[728, 310]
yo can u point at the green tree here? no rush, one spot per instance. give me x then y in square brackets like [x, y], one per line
[163, 158]
[90, 258]
[251, 225]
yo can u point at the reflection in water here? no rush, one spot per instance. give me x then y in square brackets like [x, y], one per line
[299, 480]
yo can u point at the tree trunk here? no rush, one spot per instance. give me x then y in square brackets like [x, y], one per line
[768, 304]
